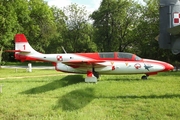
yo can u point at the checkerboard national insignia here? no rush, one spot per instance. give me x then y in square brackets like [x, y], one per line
[176, 18]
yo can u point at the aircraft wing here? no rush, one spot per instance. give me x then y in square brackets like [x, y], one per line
[85, 63]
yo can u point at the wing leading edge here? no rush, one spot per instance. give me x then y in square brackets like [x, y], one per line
[85, 63]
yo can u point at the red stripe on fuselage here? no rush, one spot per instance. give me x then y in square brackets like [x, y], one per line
[89, 55]
[23, 58]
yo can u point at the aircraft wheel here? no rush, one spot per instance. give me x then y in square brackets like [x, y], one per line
[144, 77]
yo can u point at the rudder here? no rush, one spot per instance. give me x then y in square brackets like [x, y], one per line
[23, 51]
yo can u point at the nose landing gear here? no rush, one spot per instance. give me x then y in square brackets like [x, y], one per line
[144, 77]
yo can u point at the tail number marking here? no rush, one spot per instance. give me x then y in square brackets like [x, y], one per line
[24, 46]
[59, 58]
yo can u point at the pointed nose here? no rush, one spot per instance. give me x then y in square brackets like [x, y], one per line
[168, 67]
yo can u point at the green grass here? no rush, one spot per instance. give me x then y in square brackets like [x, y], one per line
[20, 72]
[26, 63]
[68, 97]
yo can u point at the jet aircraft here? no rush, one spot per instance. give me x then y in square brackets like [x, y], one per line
[91, 64]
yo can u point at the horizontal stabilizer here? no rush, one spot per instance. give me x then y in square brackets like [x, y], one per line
[21, 51]
[174, 30]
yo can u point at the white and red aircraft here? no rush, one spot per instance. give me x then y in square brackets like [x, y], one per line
[92, 64]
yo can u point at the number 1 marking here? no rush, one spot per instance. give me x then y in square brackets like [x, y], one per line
[24, 47]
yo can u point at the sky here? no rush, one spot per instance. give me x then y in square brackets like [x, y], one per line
[91, 5]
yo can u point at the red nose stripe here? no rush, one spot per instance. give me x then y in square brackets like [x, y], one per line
[168, 67]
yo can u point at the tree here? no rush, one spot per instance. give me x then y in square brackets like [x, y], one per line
[34, 18]
[77, 35]
[57, 41]
[147, 28]
[41, 27]
[114, 22]
[8, 24]
[22, 13]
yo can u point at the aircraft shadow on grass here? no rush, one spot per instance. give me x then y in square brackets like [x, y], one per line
[165, 96]
[123, 79]
[78, 99]
[66, 81]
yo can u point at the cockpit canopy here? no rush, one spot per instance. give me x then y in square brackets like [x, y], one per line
[124, 55]
[119, 55]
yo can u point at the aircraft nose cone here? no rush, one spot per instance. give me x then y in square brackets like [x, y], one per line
[168, 67]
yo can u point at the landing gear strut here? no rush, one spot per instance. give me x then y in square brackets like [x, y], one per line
[92, 76]
[96, 74]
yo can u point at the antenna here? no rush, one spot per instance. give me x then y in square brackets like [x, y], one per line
[64, 50]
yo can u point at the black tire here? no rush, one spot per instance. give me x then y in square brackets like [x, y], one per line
[144, 77]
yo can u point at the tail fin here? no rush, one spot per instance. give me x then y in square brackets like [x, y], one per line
[22, 45]
[23, 50]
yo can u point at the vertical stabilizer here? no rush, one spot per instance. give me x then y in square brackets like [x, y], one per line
[23, 50]
[22, 44]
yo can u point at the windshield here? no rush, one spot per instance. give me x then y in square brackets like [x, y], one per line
[137, 58]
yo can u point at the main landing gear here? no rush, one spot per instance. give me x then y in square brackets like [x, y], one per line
[96, 74]
[92, 76]
[144, 77]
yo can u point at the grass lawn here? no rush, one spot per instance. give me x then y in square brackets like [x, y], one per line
[67, 97]
[34, 63]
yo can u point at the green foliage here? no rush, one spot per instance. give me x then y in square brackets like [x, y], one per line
[67, 97]
[118, 25]
[8, 22]
[8, 25]
[57, 40]
[114, 22]
[77, 35]
[42, 26]
[148, 28]
[22, 13]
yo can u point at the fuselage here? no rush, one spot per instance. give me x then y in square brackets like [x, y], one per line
[103, 63]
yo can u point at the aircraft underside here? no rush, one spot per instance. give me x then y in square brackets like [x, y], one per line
[118, 68]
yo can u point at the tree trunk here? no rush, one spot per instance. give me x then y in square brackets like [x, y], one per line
[1, 51]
